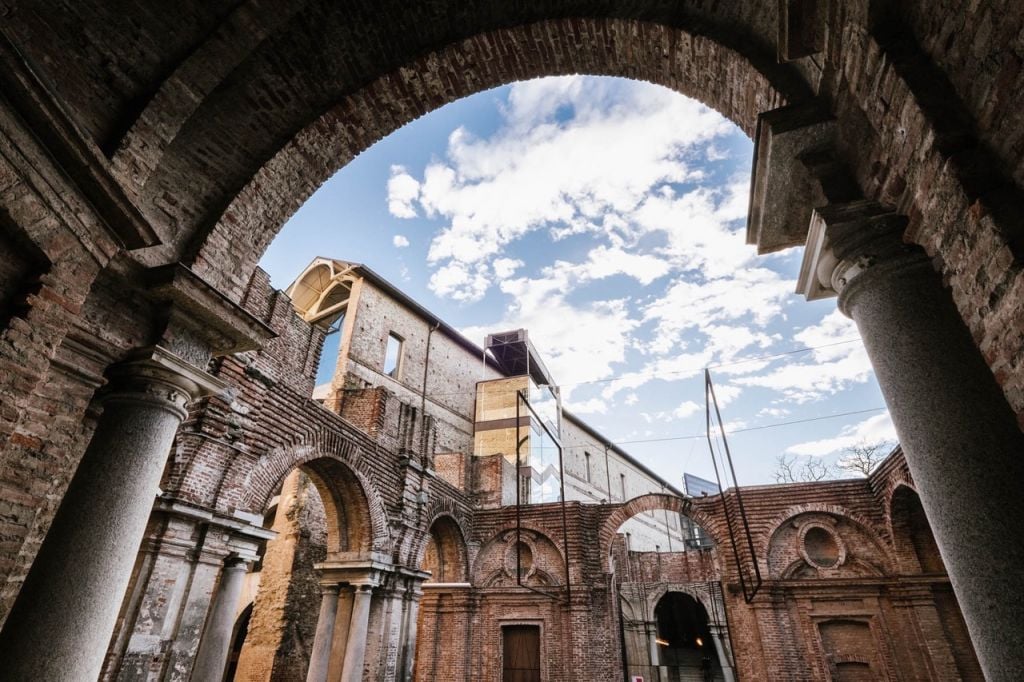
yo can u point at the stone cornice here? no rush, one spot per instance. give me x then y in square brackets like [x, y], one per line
[225, 325]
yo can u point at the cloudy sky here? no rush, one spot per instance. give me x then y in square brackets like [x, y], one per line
[607, 217]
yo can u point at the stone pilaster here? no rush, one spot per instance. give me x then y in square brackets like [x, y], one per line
[355, 648]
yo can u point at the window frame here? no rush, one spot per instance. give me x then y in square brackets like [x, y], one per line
[395, 373]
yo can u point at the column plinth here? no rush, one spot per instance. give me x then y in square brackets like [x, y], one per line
[61, 623]
[960, 437]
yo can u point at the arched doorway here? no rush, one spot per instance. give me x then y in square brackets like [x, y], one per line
[685, 645]
[318, 511]
[661, 591]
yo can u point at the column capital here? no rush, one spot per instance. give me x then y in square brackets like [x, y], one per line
[845, 241]
[157, 376]
[330, 588]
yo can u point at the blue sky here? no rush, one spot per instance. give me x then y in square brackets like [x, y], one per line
[606, 216]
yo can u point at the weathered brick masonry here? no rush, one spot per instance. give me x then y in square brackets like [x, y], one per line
[134, 138]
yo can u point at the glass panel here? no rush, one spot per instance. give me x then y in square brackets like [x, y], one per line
[393, 356]
[540, 473]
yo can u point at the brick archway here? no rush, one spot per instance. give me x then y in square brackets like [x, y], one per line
[449, 540]
[356, 518]
[270, 189]
[645, 503]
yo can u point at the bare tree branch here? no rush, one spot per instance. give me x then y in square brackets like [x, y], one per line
[795, 469]
[862, 458]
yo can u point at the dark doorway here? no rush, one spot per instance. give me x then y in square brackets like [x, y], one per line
[520, 653]
[685, 648]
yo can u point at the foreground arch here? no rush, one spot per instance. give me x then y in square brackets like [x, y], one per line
[126, 147]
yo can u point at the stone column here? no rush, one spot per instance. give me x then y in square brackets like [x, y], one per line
[413, 614]
[961, 439]
[355, 648]
[212, 656]
[651, 630]
[722, 652]
[62, 621]
[321, 656]
[341, 627]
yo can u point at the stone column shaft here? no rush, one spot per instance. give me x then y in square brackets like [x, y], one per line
[409, 657]
[355, 648]
[961, 439]
[321, 656]
[723, 654]
[342, 621]
[62, 621]
[215, 645]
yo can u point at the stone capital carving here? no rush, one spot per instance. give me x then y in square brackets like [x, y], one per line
[156, 376]
[849, 240]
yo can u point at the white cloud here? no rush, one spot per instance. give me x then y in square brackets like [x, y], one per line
[403, 190]
[400, 241]
[506, 267]
[459, 281]
[755, 295]
[591, 406]
[541, 170]
[837, 362]
[871, 430]
[773, 412]
[727, 393]
[685, 409]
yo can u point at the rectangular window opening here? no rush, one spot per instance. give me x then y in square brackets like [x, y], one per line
[393, 356]
[586, 458]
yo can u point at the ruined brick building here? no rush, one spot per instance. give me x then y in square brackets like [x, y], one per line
[157, 394]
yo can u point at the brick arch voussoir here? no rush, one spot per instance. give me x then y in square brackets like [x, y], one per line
[646, 503]
[699, 591]
[461, 539]
[869, 527]
[270, 469]
[622, 47]
[496, 536]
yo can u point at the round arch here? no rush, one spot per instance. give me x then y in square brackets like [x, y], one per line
[494, 553]
[646, 503]
[912, 539]
[776, 523]
[259, 187]
[356, 519]
[444, 553]
[697, 591]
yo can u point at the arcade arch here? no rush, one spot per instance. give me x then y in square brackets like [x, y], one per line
[185, 165]
[319, 515]
[444, 554]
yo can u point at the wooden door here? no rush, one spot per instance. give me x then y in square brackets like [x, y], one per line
[520, 653]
